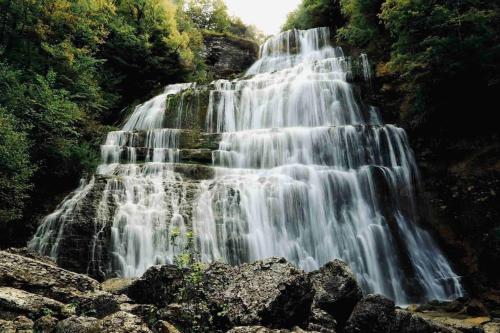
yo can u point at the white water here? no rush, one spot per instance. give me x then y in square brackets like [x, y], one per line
[142, 202]
[303, 171]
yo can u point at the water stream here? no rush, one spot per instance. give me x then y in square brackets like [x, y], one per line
[303, 170]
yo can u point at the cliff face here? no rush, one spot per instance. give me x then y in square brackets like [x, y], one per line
[461, 182]
[228, 56]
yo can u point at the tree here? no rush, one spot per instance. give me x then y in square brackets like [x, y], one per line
[316, 13]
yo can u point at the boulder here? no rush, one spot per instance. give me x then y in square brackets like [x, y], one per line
[321, 321]
[377, 314]
[99, 304]
[15, 302]
[270, 292]
[20, 324]
[159, 285]
[44, 279]
[405, 322]
[122, 322]
[373, 314]
[260, 329]
[76, 324]
[336, 290]
[45, 324]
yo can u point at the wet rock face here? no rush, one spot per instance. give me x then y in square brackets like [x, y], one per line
[461, 179]
[228, 56]
[336, 290]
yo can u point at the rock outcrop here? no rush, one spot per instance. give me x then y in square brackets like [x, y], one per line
[271, 292]
[268, 296]
[377, 314]
[227, 56]
[44, 279]
[336, 290]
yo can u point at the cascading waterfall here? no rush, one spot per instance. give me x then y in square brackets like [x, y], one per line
[142, 200]
[304, 171]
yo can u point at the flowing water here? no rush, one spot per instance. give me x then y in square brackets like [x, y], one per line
[303, 170]
[307, 173]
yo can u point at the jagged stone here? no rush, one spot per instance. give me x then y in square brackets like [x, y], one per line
[336, 290]
[99, 304]
[227, 55]
[373, 314]
[45, 324]
[16, 302]
[271, 292]
[44, 279]
[76, 324]
[405, 322]
[260, 329]
[122, 322]
[321, 321]
[159, 285]
[28, 253]
[377, 314]
[20, 324]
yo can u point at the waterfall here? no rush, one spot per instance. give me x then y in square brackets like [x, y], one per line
[141, 201]
[303, 170]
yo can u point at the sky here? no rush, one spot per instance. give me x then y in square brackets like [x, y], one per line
[267, 15]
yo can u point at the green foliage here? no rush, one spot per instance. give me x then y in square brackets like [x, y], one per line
[315, 13]
[362, 27]
[213, 16]
[445, 54]
[15, 169]
[446, 50]
[69, 66]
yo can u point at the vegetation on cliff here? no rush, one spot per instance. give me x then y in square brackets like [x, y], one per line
[445, 54]
[69, 68]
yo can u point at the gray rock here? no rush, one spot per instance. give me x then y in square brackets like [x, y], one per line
[373, 314]
[405, 322]
[336, 290]
[321, 321]
[99, 304]
[260, 329]
[159, 285]
[377, 314]
[271, 292]
[44, 279]
[20, 324]
[122, 322]
[45, 324]
[16, 302]
[76, 324]
[227, 56]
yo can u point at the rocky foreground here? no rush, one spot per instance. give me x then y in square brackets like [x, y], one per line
[264, 296]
